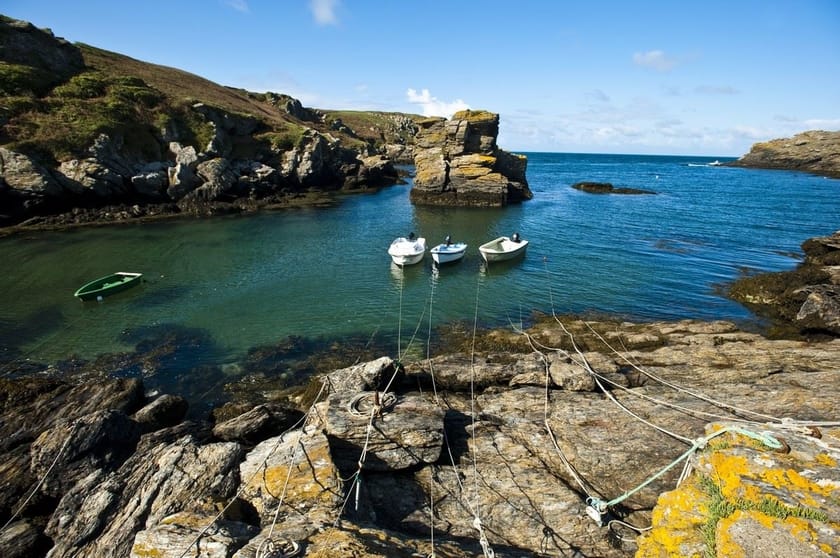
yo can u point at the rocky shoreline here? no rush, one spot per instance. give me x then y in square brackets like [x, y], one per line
[504, 450]
[814, 151]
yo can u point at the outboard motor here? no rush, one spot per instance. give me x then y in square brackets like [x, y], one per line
[448, 240]
[411, 236]
[515, 237]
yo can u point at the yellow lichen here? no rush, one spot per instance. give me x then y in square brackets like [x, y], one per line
[728, 472]
[676, 520]
[143, 551]
[827, 460]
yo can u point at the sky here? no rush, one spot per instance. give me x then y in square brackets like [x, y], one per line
[590, 76]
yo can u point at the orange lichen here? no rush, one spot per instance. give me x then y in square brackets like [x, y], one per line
[827, 460]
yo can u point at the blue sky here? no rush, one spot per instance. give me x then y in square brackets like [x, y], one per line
[665, 77]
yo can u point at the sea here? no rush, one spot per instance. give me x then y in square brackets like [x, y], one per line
[227, 288]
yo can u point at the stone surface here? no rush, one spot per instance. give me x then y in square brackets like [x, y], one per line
[405, 434]
[502, 451]
[102, 513]
[457, 162]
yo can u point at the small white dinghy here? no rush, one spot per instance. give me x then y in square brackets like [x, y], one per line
[503, 248]
[448, 251]
[407, 251]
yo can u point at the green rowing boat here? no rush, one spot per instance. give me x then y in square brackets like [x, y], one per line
[108, 285]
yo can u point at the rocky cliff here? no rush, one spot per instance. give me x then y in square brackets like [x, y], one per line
[560, 444]
[94, 136]
[814, 151]
[457, 162]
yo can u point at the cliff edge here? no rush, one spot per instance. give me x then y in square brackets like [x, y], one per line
[815, 151]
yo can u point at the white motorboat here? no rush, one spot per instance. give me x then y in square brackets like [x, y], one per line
[503, 248]
[407, 251]
[448, 251]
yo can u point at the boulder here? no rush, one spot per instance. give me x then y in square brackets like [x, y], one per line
[164, 411]
[25, 176]
[257, 424]
[295, 470]
[382, 435]
[457, 162]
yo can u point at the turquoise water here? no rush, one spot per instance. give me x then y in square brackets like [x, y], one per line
[244, 282]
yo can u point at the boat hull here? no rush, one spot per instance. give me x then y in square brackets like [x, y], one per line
[407, 252]
[502, 248]
[108, 285]
[448, 253]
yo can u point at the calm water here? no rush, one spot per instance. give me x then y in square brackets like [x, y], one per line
[250, 281]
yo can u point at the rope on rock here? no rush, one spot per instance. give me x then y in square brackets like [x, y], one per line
[596, 507]
[44, 478]
[382, 402]
[692, 393]
[261, 469]
[278, 548]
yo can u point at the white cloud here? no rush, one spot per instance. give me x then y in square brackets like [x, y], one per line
[239, 5]
[716, 90]
[432, 106]
[822, 124]
[655, 59]
[324, 11]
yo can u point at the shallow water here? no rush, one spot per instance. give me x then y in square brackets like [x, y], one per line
[255, 280]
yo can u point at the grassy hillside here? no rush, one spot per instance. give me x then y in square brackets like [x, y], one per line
[54, 110]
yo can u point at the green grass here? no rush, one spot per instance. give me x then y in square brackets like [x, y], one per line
[721, 508]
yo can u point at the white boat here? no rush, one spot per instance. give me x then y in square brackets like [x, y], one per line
[715, 163]
[448, 251]
[503, 248]
[407, 251]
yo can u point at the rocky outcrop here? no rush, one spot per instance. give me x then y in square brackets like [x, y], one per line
[806, 299]
[196, 158]
[531, 451]
[55, 58]
[815, 151]
[458, 163]
[607, 188]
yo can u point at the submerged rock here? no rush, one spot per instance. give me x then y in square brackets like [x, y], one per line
[607, 188]
[806, 299]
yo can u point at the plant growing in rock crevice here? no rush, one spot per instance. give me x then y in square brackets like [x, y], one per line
[719, 508]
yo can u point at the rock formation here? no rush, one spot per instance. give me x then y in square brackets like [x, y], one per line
[458, 163]
[806, 299]
[525, 452]
[814, 151]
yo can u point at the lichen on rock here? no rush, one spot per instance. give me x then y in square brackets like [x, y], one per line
[458, 163]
